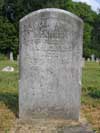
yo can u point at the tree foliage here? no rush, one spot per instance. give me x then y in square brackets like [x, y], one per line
[8, 37]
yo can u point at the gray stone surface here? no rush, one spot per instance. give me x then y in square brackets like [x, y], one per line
[50, 65]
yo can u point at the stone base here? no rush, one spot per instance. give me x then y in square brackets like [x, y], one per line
[52, 126]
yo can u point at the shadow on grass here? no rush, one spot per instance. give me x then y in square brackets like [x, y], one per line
[11, 101]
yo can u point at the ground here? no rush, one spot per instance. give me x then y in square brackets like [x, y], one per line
[9, 95]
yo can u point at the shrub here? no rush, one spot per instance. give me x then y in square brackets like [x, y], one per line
[95, 93]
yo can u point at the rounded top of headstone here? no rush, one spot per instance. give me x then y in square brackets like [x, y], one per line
[52, 10]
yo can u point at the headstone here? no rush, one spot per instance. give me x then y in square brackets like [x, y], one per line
[11, 56]
[18, 58]
[92, 57]
[8, 69]
[97, 60]
[88, 59]
[50, 65]
[83, 62]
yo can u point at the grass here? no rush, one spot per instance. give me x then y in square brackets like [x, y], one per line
[91, 75]
[9, 95]
[91, 94]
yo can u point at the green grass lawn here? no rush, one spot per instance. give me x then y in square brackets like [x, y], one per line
[9, 95]
[91, 75]
[91, 94]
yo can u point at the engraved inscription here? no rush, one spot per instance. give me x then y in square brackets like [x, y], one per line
[49, 29]
[49, 35]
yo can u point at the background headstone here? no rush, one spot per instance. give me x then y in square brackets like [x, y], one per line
[88, 59]
[18, 58]
[11, 56]
[50, 65]
[83, 62]
[97, 60]
[92, 57]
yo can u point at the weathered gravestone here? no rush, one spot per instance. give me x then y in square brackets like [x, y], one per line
[50, 65]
